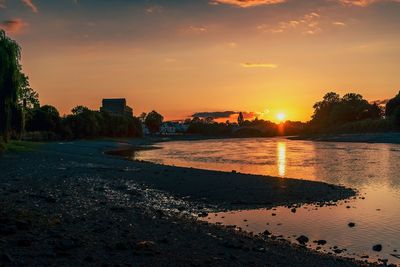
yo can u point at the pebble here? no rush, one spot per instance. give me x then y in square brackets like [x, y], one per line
[351, 224]
[302, 239]
[377, 247]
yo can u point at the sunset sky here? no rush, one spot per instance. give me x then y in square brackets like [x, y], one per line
[181, 57]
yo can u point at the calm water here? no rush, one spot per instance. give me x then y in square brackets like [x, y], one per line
[373, 169]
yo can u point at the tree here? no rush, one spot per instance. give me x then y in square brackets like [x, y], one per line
[45, 118]
[392, 105]
[27, 98]
[79, 110]
[240, 119]
[10, 81]
[142, 117]
[334, 111]
[154, 121]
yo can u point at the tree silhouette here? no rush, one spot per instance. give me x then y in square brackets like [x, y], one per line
[240, 119]
[28, 98]
[10, 82]
[392, 105]
[153, 121]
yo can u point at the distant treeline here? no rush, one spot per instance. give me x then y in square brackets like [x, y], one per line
[353, 114]
[333, 114]
[245, 128]
[83, 123]
[22, 115]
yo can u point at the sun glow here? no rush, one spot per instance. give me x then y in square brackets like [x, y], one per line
[281, 116]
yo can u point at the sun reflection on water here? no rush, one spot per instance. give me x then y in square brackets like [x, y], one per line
[281, 151]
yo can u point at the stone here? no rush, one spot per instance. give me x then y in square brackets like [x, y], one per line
[351, 224]
[302, 239]
[377, 247]
[202, 214]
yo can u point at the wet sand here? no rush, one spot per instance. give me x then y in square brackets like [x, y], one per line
[70, 204]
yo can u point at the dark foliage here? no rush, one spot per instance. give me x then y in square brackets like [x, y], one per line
[333, 112]
[83, 123]
[392, 105]
[10, 80]
[43, 119]
[153, 121]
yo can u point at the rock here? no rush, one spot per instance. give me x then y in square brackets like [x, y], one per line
[293, 210]
[377, 247]
[266, 232]
[321, 242]
[351, 224]
[338, 251]
[202, 214]
[302, 239]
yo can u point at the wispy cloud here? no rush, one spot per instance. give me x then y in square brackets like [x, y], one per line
[307, 24]
[339, 23]
[2, 4]
[199, 29]
[247, 3]
[13, 26]
[31, 5]
[259, 65]
[364, 3]
[154, 9]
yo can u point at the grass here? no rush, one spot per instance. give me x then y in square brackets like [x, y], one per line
[19, 146]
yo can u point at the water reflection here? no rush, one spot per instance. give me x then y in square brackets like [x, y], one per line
[281, 150]
[373, 169]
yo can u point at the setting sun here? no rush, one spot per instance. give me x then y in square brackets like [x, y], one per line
[281, 116]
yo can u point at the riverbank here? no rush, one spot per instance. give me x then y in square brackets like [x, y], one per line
[77, 206]
[388, 138]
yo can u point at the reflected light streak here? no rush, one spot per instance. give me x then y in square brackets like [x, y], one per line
[281, 151]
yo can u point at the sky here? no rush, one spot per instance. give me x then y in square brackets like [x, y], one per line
[181, 57]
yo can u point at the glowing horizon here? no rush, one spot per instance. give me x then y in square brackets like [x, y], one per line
[185, 57]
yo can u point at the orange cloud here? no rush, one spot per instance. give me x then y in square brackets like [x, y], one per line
[13, 26]
[31, 5]
[247, 3]
[364, 3]
[259, 65]
[308, 24]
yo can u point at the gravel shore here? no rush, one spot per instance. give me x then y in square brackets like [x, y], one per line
[69, 204]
